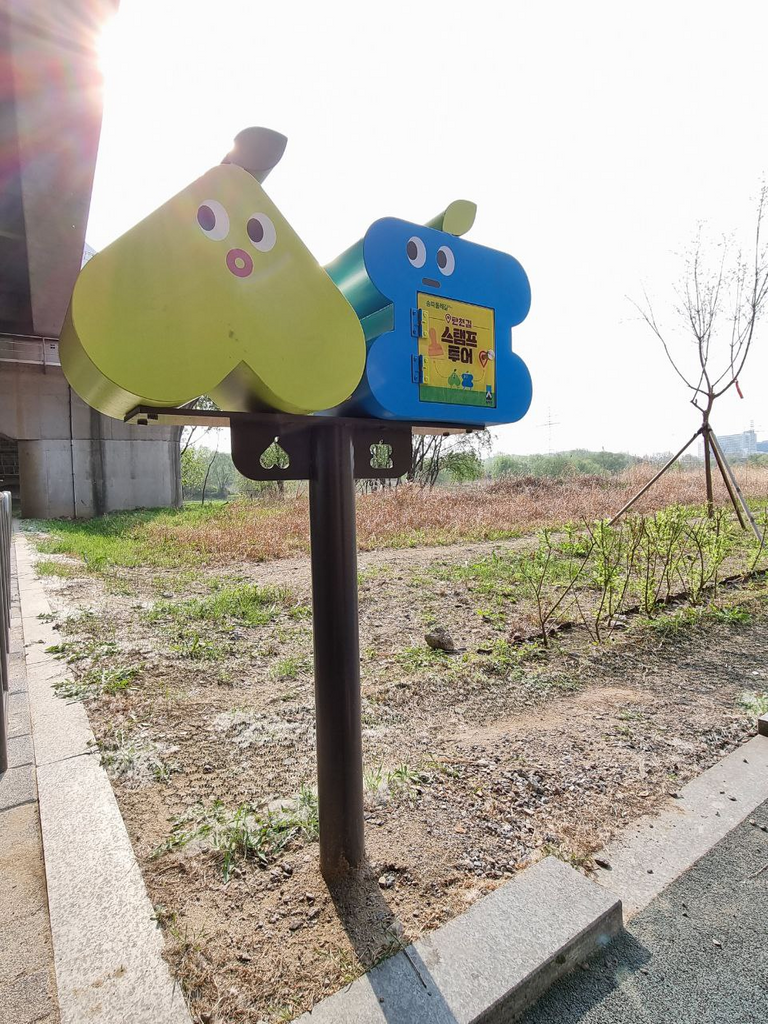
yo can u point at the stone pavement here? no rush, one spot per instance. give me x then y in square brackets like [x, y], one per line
[106, 940]
[27, 978]
[697, 954]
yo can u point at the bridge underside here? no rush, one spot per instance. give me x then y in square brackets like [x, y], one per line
[61, 457]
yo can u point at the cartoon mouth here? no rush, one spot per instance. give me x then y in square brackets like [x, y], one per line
[239, 262]
[430, 282]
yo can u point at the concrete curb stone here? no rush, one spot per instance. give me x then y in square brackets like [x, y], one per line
[107, 947]
[488, 965]
[659, 848]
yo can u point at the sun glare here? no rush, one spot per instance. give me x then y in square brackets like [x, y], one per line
[109, 44]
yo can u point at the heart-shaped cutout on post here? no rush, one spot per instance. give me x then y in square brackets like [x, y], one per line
[274, 456]
[381, 455]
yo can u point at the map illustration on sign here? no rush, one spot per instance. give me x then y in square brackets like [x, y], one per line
[438, 313]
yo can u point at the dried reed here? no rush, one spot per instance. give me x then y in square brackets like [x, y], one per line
[406, 516]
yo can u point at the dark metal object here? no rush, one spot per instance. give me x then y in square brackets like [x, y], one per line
[257, 150]
[331, 453]
[254, 457]
[368, 436]
[157, 415]
[337, 653]
[250, 440]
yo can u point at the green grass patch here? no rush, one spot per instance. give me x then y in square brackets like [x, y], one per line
[125, 539]
[132, 758]
[735, 614]
[755, 703]
[246, 832]
[674, 624]
[506, 658]
[47, 567]
[188, 642]
[98, 681]
[415, 658]
[246, 603]
[685, 620]
[405, 780]
[288, 668]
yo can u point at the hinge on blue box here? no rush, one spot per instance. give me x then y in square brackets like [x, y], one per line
[417, 369]
[417, 323]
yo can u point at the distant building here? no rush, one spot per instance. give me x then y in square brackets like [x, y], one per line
[740, 446]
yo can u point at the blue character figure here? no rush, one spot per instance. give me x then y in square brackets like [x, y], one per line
[438, 313]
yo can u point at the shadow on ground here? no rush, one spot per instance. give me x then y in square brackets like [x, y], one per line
[376, 935]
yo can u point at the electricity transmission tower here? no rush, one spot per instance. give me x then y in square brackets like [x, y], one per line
[549, 423]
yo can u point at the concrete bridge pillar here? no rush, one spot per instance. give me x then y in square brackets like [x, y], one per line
[74, 462]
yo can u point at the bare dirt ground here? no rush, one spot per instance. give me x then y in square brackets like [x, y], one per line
[477, 762]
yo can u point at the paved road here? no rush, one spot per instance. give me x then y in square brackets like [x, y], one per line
[27, 979]
[698, 954]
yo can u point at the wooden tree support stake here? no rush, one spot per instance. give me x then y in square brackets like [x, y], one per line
[727, 472]
[653, 480]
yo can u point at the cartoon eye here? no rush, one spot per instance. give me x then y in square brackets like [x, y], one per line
[261, 232]
[213, 220]
[417, 251]
[446, 261]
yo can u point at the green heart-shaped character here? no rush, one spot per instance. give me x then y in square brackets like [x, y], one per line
[213, 293]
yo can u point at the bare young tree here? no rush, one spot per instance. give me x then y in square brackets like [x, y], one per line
[190, 434]
[721, 298]
[430, 452]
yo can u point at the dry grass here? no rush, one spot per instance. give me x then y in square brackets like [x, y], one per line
[407, 516]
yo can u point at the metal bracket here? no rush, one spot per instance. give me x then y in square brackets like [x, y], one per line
[253, 433]
[291, 459]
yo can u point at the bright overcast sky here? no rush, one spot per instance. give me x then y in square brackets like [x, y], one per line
[593, 137]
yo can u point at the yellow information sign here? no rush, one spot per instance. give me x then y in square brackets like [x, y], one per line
[457, 361]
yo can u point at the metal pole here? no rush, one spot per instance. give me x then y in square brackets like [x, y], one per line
[653, 480]
[337, 651]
